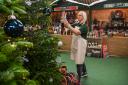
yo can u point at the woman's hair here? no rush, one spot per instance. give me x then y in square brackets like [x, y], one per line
[84, 14]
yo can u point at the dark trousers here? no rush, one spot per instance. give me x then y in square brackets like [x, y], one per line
[81, 68]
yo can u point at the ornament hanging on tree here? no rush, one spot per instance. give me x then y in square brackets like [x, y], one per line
[60, 43]
[51, 80]
[47, 11]
[13, 27]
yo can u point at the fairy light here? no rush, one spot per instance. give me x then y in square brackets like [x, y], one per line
[13, 45]
[9, 40]
[24, 38]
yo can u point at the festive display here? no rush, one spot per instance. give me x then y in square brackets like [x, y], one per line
[43, 63]
[23, 62]
[14, 28]
[12, 71]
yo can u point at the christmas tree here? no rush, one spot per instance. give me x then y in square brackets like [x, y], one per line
[42, 56]
[12, 51]
[29, 59]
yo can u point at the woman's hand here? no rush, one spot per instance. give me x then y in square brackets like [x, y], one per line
[63, 15]
[65, 22]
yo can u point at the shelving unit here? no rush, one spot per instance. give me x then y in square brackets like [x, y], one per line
[117, 22]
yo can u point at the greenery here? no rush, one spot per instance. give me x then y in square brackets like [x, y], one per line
[30, 59]
[12, 51]
[42, 58]
[9, 6]
[35, 15]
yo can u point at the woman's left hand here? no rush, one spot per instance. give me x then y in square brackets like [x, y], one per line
[65, 21]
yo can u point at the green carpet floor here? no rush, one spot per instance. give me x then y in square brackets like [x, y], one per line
[109, 71]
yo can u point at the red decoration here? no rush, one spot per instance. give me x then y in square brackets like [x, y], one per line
[104, 48]
[66, 8]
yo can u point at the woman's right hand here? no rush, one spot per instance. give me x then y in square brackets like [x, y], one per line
[65, 22]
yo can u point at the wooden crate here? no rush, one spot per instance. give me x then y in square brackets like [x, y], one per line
[118, 46]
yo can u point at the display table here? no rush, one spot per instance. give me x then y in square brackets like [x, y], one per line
[117, 46]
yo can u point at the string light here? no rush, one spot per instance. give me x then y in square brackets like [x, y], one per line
[9, 40]
[13, 45]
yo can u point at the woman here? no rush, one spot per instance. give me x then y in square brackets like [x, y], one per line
[79, 42]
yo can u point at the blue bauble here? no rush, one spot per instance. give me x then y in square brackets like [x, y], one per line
[47, 11]
[13, 28]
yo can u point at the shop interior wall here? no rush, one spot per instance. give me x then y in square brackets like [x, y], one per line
[116, 45]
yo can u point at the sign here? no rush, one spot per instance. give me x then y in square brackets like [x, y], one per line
[66, 8]
[115, 5]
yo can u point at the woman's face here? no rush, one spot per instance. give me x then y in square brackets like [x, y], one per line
[80, 17]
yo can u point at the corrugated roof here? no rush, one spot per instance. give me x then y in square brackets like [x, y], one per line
[84, 2]
[91, 1]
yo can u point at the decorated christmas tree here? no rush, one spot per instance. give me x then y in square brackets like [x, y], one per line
[12, 47]
[28, 58]
[42, 57]
[12, 51]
